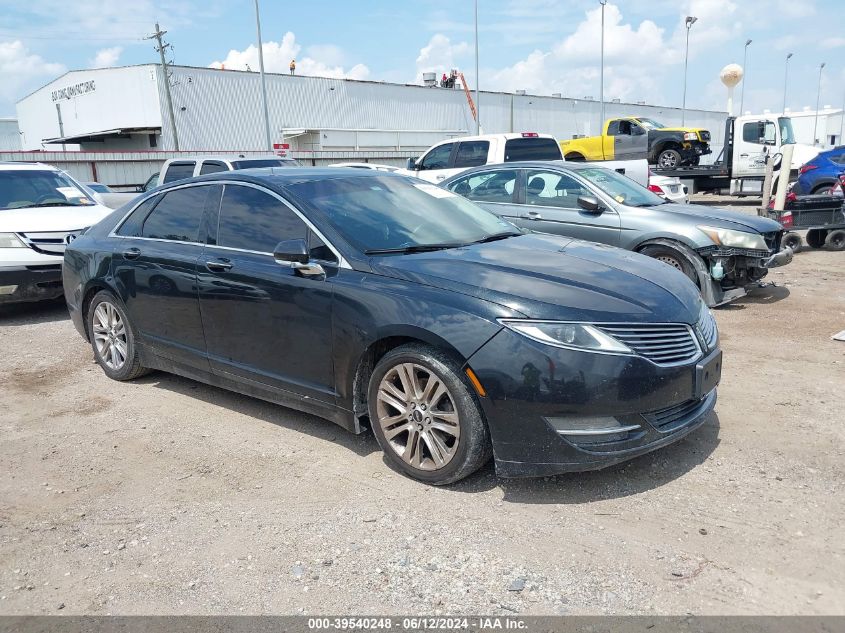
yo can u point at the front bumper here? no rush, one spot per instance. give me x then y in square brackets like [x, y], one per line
[19, 284]
[781, 258]
[529, 396]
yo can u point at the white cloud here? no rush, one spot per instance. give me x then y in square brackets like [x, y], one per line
[833, 42]
[106, 57]
[22, 70]
[440, 56]
[278, 55]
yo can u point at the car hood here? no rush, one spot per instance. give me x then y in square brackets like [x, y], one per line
[47, 219]
[723, 218]
[551, 277]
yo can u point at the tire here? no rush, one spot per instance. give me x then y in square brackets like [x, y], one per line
[815, 238]
[793, 241]
[441, 448]
[672, 257]
[574, 158]
[109, 326]
[669, 158]
[821, 189]
[835, 240]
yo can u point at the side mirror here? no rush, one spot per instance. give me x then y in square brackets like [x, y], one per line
[412, 165]
[294, 253]
[590, 203]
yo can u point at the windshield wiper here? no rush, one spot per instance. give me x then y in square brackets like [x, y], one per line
[50, 204]
[497, 236]
[416, 248]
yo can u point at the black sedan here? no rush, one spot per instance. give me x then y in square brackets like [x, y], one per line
[380, 301]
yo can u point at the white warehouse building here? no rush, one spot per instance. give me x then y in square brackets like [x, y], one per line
[125, 109]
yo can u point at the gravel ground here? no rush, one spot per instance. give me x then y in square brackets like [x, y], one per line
[166, 496]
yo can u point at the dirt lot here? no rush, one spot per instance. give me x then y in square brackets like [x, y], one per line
[167, 496]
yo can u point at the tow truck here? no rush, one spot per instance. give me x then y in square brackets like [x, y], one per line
[741, 166]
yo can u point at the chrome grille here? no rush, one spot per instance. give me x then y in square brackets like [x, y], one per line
[661, 343]
[706, 326]
[52, 243]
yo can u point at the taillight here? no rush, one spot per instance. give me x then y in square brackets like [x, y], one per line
[786, 219]
[530, 135]
[655, 189]
[808, 167]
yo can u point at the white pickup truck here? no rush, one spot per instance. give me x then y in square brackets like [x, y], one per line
[452, 156]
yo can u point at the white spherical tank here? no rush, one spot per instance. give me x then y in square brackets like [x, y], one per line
[731, 75]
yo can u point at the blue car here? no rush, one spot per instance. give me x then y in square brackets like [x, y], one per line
[821, 173]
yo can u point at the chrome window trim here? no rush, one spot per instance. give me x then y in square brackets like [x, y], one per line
[341, 260]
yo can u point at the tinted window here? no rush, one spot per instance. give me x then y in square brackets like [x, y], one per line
[178, 215]
[839, 159]
[493, 186]
[620, 188]
[212, 167]
[179, 171]
[438, 158]
[472, 153]
[531, 149]
[759, 132]
[151, 183]
[386, 212]
[264, 162]
[613, 128]
[131, 227]
[256, 221]
[551, 189]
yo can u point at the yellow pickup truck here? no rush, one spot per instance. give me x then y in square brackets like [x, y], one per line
[639, 137]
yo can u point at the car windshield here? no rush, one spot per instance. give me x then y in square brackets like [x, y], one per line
[388, 213]
[25, 188]
[651, 124]
[620, 188]
[787, 136]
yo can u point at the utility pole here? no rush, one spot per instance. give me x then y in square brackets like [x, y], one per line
[163, 46]
[786, 79]
[477, 78]
[263, 81]
[601, 78]
[818, 101]
[691, 19]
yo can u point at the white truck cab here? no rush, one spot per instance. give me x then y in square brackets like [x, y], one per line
[454, 155]
[755, 136]
[42, 209]
[188, 167]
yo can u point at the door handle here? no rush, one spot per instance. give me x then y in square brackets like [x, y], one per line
[218, 266]
[743, 155]
[441, 177]
[132, 253]
[533, 215]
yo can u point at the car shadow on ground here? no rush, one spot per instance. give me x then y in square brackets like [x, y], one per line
[33, 313]
[636, 476]
[765, 295]
[304, 423]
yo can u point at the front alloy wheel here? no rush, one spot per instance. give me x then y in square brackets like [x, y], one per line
[418, 417]
[425, 415]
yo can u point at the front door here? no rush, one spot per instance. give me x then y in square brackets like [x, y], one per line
[263, 322]
[751, 144]
[155, 270]
[629, 139]
[551, 206]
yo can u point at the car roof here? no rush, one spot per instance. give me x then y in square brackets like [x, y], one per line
[282, 176]
[11, 166]
[529, 164]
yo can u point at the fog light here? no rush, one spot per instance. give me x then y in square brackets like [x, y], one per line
[590, 429]
[8, 290]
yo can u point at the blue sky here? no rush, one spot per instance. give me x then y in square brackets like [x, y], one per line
[542, 46]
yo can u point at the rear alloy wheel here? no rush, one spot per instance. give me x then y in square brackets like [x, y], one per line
[835, 240]
[112, 338]
[669, 158]
[793, 241]
[426, 419]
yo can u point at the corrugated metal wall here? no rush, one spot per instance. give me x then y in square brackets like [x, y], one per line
[221, 109]
[10, 137]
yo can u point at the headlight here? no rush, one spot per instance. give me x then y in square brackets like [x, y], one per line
[735, 239]
[569, 335]
[690, 136]
[10, 240]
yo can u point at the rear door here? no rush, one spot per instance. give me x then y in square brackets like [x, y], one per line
[551, 206]
[495, 190]
[155, 270]
[263, 322]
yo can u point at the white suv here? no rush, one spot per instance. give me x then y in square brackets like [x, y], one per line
[42, 209]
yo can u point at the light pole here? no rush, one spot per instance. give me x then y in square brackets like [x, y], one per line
[818, 99]
[786, 79]
[744, 77]
[263, 81]
[601, 78]
[688, 22]
[477, 79]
